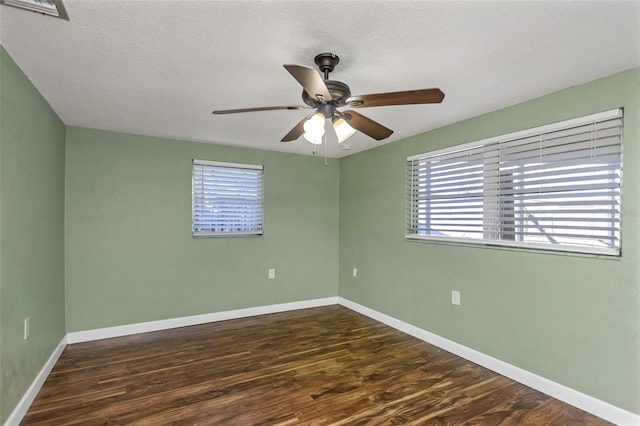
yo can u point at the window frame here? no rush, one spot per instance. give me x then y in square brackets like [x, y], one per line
[259, 229]
[413, 199]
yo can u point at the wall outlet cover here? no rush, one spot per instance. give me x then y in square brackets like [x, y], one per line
[27, 327]
[455, 297]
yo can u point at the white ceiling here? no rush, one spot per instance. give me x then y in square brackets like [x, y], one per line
[160, 67]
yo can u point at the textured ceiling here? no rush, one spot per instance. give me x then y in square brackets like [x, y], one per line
[160, 67]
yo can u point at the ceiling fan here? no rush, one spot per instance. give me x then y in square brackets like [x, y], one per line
[326, 96]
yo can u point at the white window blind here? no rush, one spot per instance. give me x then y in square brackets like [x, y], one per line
[227, 199]
[555, 187]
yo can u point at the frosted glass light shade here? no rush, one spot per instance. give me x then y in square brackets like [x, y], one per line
[314, 126]
[343, 130]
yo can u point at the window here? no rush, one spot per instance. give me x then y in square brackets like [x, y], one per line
[226, 199]
[555, 187]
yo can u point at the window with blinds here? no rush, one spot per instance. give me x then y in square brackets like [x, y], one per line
[227, 199]
[555, 187]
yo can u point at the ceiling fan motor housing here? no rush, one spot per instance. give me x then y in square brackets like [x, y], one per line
[340, 92]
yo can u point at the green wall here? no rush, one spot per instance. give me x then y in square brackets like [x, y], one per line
[32, 140]
[572, 319]
[130, 256]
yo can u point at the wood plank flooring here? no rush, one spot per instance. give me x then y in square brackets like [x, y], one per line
[320, 366]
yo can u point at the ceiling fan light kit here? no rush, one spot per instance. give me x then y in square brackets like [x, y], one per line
[326, 96]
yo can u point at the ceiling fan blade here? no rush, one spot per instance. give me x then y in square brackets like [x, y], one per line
[271, 108]
[408, 97]
[311, 81]
[366, 125]
[296, 132]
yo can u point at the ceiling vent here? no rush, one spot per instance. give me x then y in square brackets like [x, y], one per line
[46, 7]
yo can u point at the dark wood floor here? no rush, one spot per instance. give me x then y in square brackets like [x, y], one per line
[321, 366]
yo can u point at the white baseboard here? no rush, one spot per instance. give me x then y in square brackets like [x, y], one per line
[578, 399]
[144, 327]
[25, 402]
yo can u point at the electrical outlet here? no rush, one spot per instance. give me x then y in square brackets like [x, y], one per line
[355, 272]
[455, 297]
[27, 326]
[272, 273]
